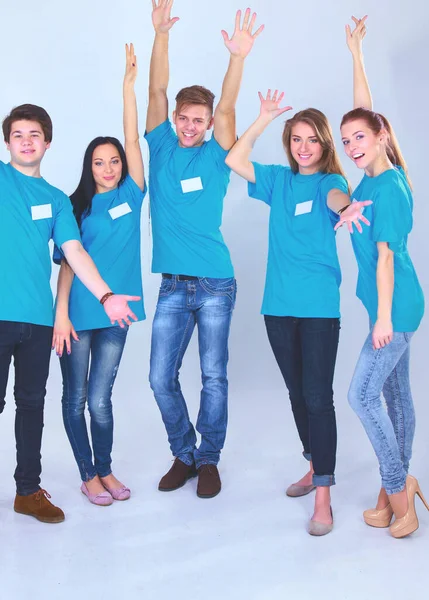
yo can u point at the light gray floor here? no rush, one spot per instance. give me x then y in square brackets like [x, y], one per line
[250, 541]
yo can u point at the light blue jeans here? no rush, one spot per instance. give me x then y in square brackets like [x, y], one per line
[207, 303]
[391, 432]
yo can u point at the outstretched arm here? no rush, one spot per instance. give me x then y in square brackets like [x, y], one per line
[157, 111]
[361, 92]
[131, 130]
[238, 158]
[239, 47]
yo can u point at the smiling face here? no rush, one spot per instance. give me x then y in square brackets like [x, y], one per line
[305, 148]
[362, 145]
[192, 122]
[106, 167]
[27, 145]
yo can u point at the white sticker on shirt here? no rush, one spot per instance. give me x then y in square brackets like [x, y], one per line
[120, 210]
[303, 208]
[43, 211]
[191, 185]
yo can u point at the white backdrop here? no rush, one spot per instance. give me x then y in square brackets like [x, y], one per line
[69, 58]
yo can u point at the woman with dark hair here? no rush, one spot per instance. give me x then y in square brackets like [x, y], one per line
[107, 206]
[390, 291]
[301, 303]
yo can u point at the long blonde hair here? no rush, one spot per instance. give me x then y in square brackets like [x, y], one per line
[376, 122]
[330, 162]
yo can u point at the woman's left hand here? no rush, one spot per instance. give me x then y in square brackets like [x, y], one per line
[353, 214]
[382, 333]
[131, 65]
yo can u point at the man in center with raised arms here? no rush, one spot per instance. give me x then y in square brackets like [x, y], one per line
[188, 183]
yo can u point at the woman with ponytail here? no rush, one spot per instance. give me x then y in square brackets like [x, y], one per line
[390, 291]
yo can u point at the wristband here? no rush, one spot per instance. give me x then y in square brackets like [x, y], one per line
[344, 208]
[104, 298]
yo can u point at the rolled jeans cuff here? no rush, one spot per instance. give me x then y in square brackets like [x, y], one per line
[323, 480]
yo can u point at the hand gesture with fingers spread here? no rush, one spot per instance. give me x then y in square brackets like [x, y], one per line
[117, 309]
[161, 19]
[241, 42]
[270, 108]
[131, 65]
[352, 215]
[355, 37]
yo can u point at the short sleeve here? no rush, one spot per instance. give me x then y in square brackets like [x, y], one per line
[265, 178]
[217, 153]
[65, 226]
[161, 139]
[392, 217]
[132, 192]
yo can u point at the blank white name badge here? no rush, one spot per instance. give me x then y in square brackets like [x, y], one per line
[43, 211]
[303, 208]
[191, 185]
[120, 210]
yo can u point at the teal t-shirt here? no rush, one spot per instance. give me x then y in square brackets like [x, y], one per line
[391, 218]
[111, 236]
[303, 272]
[187, 187]
[31, 213]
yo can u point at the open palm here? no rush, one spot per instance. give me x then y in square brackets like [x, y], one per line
[241, 42]
[270, 106]
[161, 19]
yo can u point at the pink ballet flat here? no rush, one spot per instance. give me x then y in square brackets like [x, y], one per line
[122, 493]
[103, 499]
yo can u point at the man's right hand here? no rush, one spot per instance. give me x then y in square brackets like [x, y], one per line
[161, 19]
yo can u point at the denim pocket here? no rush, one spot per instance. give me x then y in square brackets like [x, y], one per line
[167, 286]
[214, 285]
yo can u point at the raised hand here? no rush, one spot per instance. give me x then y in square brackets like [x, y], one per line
[131, 65]
[354, 38]
[270, 108]
[117, 309]
[161, 19]
[241, 42]
[352, 215]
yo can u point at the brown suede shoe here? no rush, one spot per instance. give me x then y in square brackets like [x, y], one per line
[37, 505]
[177, 476]
[209, 484]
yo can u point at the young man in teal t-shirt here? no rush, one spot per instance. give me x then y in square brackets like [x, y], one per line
[31, 213]
[188, 183]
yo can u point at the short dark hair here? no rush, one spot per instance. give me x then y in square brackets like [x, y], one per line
[195, 94]
[28, 112]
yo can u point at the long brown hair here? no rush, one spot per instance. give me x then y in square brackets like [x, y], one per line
[330, 162]
[376, 122]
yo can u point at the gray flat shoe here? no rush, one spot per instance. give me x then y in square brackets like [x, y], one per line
[295, 491]
[318, 529]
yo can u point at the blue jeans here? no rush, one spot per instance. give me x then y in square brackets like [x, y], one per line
[306, 350]
[81, 383]
[391, 433]
[207, 303]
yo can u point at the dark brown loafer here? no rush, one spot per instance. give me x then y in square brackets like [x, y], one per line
[177, 476]
[38, 506]
[209, 484]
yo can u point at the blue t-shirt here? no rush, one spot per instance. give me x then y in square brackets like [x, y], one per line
[303, 272]
[391, 218]
[31, 213]
[187, 187]
[111, 236]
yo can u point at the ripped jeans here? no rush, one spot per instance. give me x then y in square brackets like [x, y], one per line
[93, 383]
